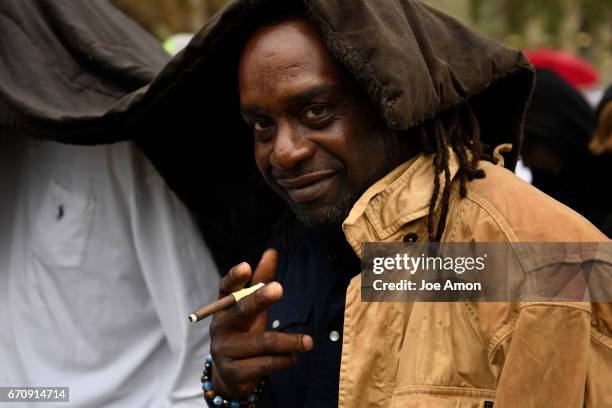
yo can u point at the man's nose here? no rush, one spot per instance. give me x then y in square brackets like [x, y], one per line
[290, 147]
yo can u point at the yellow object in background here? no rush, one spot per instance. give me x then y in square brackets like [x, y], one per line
[177, 42]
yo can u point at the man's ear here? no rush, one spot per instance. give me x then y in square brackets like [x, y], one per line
[602, 139]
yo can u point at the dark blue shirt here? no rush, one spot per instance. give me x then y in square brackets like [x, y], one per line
[315, 269]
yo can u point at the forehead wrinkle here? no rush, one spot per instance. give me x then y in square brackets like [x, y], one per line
[277, 64]
[283, 60]
[292, 43]
[270, 75]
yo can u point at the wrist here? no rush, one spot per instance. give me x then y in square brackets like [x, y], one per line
[215, 399]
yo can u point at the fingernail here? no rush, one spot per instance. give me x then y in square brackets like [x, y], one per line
[270, 251]
[243, 269]
[273, 289]
[307, 342]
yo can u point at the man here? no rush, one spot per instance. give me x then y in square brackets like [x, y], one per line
[320, 145]
[99, 261]
[367, 122]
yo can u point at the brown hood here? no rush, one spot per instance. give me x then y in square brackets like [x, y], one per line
[65, 63]
[413, 61]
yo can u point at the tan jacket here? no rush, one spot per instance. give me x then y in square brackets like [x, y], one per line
[464, 354]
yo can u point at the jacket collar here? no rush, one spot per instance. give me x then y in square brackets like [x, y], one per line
[401, 197]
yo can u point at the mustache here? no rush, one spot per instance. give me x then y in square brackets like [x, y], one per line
[287, 174]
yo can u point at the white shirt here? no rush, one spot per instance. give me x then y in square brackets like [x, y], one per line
[100, 264]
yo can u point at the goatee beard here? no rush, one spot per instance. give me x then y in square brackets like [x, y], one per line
[331, 217]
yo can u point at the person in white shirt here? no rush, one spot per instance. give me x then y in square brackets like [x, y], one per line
[100, 264]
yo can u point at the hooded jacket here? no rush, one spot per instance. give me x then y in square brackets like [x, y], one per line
[472, 354]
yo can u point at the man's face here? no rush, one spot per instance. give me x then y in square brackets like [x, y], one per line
[317, 141]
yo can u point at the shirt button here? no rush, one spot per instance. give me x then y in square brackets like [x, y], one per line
[334, 335]
[275, 324]
[411, 237]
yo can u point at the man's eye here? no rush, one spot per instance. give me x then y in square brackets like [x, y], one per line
[316, 112]
[261, 125]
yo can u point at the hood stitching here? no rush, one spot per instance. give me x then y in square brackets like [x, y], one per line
[360, 67]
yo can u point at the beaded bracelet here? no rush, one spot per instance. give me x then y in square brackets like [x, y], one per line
[219, 401]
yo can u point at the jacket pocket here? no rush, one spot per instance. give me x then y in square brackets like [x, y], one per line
[62, 227]
[442, 397]
[290, 315]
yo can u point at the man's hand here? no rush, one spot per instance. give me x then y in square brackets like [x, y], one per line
[243, 351]
[602, 139]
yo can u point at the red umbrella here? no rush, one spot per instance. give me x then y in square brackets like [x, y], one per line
[572, 68]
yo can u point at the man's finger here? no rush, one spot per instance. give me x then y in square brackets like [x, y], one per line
[250, 306]
[235, 279]
[266, 268]
[249, 369]
[266, 343]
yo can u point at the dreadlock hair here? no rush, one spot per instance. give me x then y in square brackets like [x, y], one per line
[458, 130]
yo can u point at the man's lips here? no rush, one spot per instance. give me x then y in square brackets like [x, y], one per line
[307, 187]
[304, 180]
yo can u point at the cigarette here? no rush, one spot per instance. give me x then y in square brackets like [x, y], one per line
[223, 303]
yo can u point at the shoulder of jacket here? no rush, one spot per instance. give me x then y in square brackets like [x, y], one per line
[502, 207]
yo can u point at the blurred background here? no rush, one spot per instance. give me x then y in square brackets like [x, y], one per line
[580, 27]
